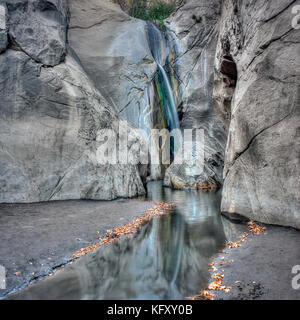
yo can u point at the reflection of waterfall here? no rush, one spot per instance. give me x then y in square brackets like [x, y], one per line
[178, 243]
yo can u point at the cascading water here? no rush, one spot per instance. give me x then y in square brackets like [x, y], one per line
[160, 52]
[168, 101]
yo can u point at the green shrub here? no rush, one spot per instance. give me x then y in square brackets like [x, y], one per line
[158, 10]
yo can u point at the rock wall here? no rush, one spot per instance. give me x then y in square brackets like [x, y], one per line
[68, 70]
[193, 31]
[113, 49]
[122, 66]
[260, 108]
[52, 115]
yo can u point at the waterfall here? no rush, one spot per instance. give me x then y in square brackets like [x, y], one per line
[160, 51]
[168, 101]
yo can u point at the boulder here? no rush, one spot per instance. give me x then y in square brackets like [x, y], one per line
[50, 134]
[52, 117]
[39, 29]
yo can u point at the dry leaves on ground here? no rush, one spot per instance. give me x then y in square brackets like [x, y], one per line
[129, 229]
[217, 283]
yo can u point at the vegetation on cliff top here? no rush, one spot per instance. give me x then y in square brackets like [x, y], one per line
[156, 10]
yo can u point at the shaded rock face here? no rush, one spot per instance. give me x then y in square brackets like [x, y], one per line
[224, 84]
[52, 117]
[193, 31]
[113, 49]
[262, 154]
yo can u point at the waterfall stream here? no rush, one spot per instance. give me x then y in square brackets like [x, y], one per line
[161, 51]
[168, 101]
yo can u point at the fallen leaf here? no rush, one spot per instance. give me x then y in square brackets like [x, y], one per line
[128, 229]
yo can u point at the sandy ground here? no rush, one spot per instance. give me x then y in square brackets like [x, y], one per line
[261, 267]
[36, 239]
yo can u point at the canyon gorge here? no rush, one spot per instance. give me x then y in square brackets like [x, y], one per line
[69, 69]
[83, 80]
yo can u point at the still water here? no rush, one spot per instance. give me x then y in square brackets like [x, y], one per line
[168, 259]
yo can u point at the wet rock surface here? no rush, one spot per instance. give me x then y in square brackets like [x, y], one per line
[124, 72]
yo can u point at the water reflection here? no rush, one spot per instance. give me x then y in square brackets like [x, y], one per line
[168, 259]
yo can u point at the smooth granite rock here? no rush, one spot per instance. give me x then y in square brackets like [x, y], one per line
[50, 135]
[113, 49]
[262, 154]
[52, 116]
